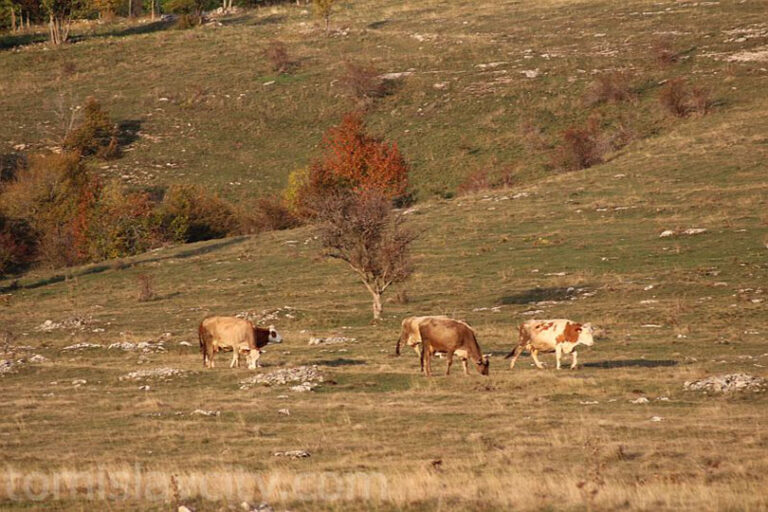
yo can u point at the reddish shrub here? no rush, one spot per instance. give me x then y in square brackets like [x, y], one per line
[362, 82]
[277, 55]
[485, 179]
[353, 159]
[611, 87]
[581, 146]
[681, 100]
[95, 135]
[664, 53]
[270, 213]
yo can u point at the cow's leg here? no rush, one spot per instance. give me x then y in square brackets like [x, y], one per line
[464, 365]
[558, 354]
[426, 354]
[515, 354]
[534, 355]
[418, 350]
[450, 362]
[235, 357]
[574, 360]
[208, 358]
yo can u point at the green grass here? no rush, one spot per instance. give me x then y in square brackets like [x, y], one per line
[519, 439]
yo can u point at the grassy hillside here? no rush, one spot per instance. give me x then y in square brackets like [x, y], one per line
[207, 107]
[583, 245]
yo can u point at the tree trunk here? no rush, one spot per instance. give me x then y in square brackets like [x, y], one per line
[13, 19]
[376, 305]
[130, 9]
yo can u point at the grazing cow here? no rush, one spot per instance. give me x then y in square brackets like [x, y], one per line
[409, 334]
[559, 336]
[218, 332]
[441, 334]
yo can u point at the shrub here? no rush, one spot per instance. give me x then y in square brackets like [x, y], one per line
[611, 87]
[681, 100]
[17, 245]
[581, 147]
[146, 287]
[362, 82]
[191, 214]
[273, 214]
[486, 179]
[353, 159]
[125, 223]
[664, 53]
[96, 134]
[277, 55]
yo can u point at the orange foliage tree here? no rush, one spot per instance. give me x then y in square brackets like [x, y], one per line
[354, 160]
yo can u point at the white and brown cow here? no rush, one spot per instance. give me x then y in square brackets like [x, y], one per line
[560, 336]
[442, 334]
[220, 332]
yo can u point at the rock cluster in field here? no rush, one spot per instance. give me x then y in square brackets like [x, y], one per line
[728, 383]
[269, 315]
[293, 454]
[143, 346]
[6, 366]
[70, 323]
[81, 346]
[153, 373]
[307, 378]
[331, 340]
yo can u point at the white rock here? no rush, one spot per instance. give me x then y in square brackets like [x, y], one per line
[656, 418]
[37, 358]
[530, 73]
[293, 454]
[641, 400]
[695, 231]
[667, 233]
[287, 412]
[202, 412]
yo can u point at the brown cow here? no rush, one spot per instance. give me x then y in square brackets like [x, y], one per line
[217, 332]
[453, 337]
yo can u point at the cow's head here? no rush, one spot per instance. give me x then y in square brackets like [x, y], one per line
[483, 365]
[252, 357]
[586, 332]
[274, 336]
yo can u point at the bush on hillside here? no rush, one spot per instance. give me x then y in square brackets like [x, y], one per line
[95, 134]
[277, 54]
[613, 87]
[486, 179]
[17, 245]
[681, 100]
[268, 213]
[192, 214]
[354, 160]
[362, 82]
[581, 147]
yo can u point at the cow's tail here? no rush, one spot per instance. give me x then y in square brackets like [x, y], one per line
[519, 341]
[397, 345]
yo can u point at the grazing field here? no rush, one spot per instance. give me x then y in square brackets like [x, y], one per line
[78, 426]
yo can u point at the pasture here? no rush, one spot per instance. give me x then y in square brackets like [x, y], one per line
[583, 245]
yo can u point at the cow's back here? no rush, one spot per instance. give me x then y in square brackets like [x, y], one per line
[445, 333]
[228, 331]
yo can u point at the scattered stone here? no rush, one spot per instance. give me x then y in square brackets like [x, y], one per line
[153, 373]
[530, 73]
[589, 402]
[201, 412]
[144, 346]
[79, 382]
[304, 387]
[395, 76]
[667, 233]
[185, 344]
[728, 383]
[37, 358]
[641, 400]
[71, 323]
[81, 346]
[656, 418]
[286, 412]
[6, 366]
[662, 398]
[301, 374]
[651, 326]
[144, 388]
[331, 340]
[182, 508]
[694, 231]
[293, 454]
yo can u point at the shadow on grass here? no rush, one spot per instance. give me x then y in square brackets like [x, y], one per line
[340, 362]
[144, 28]
[97, 269]
[540, 294]
[8, 41]
[632, 363]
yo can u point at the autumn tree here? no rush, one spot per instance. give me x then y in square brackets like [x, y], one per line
[363, 231]
[355, 160]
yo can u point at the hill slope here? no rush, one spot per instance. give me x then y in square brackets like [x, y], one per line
[582, 245]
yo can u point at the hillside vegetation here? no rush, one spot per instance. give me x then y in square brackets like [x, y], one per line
[582, 244]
